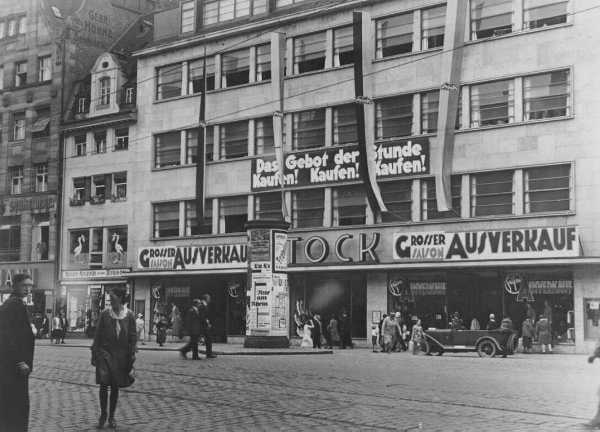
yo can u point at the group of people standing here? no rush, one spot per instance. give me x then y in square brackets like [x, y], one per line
[197, 324]
[392, 334]
[541, 330]
[336, 332]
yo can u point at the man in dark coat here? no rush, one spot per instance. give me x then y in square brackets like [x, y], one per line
[194, 328]
[16, 357]
[206, 325]
[346, 330]
[316, 331]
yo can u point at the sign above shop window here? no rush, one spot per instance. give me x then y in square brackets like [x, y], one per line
[94, 274]
[34, 204]
[340, 164]
[205, 257]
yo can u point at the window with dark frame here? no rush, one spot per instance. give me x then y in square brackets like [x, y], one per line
[308, 129]
[264, 141]
[235, 68]
[196, 78]
[80, 145]
[79, 194]
[44, 68]
[433, 21]
[20, 74]
[119, 186]
[121, 138]
[41, 177]
[394, 117]
[104, 91]
[234, 140]
[492, 193]
[167, 149]
[397, 196]
[429, 209]
[394, 35]
[98, 189]
[267, 206]
[491, 18]
[233, 211]
[547, 189]
[429, 111]
[263, 63]
[166, 219]
[10, 242]
[349, 205]
[308, 208]
[168, 81]
[15, 174]
[345, 125]
[343, 46]
[547, 95]
[216, 11]
[492, 103]
[309, 53]
[209, 142]
[100, 142]
[18, 132]
[188, 16]
[191, 221]
[542, 13]
[191, 146]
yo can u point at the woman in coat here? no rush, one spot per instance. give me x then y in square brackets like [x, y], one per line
[334, 331]
[113, 352]
[542, 330]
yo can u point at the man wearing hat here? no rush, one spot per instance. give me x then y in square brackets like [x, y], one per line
[16, 357]
[194, 327]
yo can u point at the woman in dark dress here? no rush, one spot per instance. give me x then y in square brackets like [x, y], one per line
[113, 352]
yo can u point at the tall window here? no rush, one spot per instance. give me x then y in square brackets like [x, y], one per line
[263, 63]
[18, 132]
[393, 117]
[2, 29]
[209, 142]
[343, 46]
[432, 27]
[349, 205]
[188, 16]
[235, 68]
[345, 125]
[96, 248]
[547, 189]
[22, 24]
[117, 244]
[98, 188]
[547, 95]
[308, 129]
[168, 82]
[80, 145]
[267, 206]
[395, 35]
[492, 103]
[191, 146]
[20, 74]
[540, 13]
[79, 187]
[397, 196]
[12, 27]
[429, 111]
[234, 140]
[308, 207]
[196, 78]
[490, 18]
[191, 221]
[10, 242]
[166, 219]
[233, 213]
[41, 177]
[122, 138]
[223, 10]
[100, 142]
[167, 149]
[104, 90]
[119, 186]
[263, 136]
[429, 209]
[44, 68]
[15, 175]
[492, 193]
[309, 53]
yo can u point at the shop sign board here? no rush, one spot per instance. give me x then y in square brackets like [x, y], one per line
[94, 274]
[201, 257]
[340, 164]
[34, 204]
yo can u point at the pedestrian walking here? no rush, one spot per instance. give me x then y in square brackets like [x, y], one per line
[316, 331]
[527, 333]
[161, 329]
[17, 341]
[45, 327]
[417, 336]
[207, 328]
[388, 328]
[334, 332]
[140, 328]
[113, 352]
[595, 422]
[374, 336]
[397, 341]
[346, 331]
[380, 331]
[56, 329]
[64, 324]
[176, 322]
[542, 331]
[193, 324]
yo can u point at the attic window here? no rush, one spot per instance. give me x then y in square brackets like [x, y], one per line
[104, 64]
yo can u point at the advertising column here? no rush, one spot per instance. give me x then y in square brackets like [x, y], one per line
[267, 298]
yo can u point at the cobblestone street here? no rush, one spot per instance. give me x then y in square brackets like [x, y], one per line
[349, 390]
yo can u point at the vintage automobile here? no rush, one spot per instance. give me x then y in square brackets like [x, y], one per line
[487, 343]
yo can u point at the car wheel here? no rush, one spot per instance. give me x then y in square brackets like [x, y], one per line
[486, 348]
[426, 347]
[440, 352]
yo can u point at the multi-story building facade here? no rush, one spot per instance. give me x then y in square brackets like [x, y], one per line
[523, 220]
[44, 47]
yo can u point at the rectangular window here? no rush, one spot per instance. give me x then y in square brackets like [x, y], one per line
[429, 209]
[343, 46]
[167, 149]
[79, 190]
[15, 175]
[432, 27]
[394, 117]
[119, 186]
[547, 189]
[234, 140]
[41, 177]
[211, 12]
[20, 74]
[168, 82]
[117, 238]
[490, 18]
[349, 205]
[263, 136]
[541, 13]
[395, 35]
[104, 91]
[429, 111]
[308, 208]
[2, 29]
[191, 146]
[309, 53]
[492, 103]
[128, 96]
[209, 142]
[22, 24]
[191, 221]
[96, 248]
[98, 189]
[188, 16]
[308, 129]
[44, 68]
[223, 10]
[18, 132]
[267, 206]
[122, 138]
[166, 219]
[80, 246]
[345, 127]
[196, 78]
[547, 95]
[12, 27]
[591, 326]
[235, 68]
[281, 3]
[233, 212]
[100, 142]
[492, 193]
[41, 126]
[10, 242]
[83, 105]
[80, 145]
[263, 63]
[397, 196]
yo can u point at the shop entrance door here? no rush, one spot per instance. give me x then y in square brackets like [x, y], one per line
[474, 296]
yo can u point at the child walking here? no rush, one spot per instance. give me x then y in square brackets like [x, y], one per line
[374, 336]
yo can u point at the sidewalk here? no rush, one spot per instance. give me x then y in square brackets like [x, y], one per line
[218, 348]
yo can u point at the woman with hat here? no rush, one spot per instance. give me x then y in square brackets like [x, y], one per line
[113, 352]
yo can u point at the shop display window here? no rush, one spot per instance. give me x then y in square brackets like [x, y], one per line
[591, 324]
[79, 246]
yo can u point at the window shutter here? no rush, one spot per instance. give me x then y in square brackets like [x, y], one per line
[88, 188]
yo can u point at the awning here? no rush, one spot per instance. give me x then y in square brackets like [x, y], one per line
[40, 125]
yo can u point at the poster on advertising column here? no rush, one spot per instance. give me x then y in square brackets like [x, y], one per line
[258, 317]
[280, 305]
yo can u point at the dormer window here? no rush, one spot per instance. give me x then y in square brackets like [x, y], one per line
[104, 91]
[129, 95]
